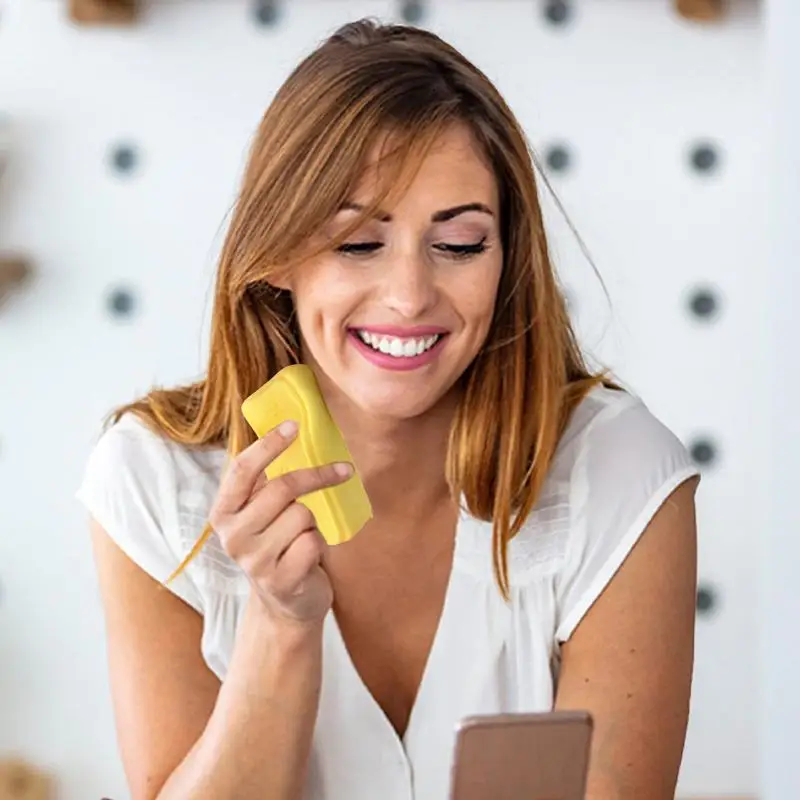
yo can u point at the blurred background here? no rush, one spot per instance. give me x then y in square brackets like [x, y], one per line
[667, 128]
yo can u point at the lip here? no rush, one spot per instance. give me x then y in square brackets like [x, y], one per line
[402, 333]
[393, 363]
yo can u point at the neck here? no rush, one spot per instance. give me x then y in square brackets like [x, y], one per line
[400, 461]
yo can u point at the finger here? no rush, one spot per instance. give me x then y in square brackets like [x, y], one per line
[258, 544]
[303, 556]
[273, 540]
[267, 504]
[247, 468]
[288, 487]
[261, 482]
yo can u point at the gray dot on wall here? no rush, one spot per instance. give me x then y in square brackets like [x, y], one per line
[412, 11]
[557, 12]
[704, 158]
[558, 158]
[706, 601]
[703, 452]
[703, 303]
[266, 13]
[121, 302]
[124, 158]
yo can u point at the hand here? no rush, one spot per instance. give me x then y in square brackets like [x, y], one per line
[272, 537]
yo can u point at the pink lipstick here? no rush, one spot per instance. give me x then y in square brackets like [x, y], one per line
[398, 349]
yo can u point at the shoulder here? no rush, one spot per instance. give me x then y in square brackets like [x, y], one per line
[620, 463]
[615, 458]
[151, 495]
[132, 446]
[132, 458]
[615, 448]
[619, 421]
[615, 464]
[127, 461]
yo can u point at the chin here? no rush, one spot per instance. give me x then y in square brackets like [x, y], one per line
[394, 405]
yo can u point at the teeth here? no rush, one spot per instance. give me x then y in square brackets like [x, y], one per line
[399, 348]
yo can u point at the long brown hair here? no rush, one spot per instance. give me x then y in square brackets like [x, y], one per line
[308, 154]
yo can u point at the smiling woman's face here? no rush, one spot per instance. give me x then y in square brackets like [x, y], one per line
[394, 317]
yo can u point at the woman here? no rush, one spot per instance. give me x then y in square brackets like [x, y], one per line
[533, 539]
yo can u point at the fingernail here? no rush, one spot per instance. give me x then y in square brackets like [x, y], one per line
[288, 428]
[343, 469]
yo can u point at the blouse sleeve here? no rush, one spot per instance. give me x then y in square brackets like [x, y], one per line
[627, 465]
[130, 488]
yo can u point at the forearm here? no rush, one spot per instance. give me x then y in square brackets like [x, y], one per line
[257, 741]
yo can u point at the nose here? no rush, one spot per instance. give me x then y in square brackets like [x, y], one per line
[410, 286]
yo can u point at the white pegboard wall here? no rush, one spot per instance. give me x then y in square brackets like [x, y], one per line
[780, 606]
[126, 148]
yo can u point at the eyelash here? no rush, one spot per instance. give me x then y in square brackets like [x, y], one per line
[455, 251]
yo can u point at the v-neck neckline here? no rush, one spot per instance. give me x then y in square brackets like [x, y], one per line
[370, 703]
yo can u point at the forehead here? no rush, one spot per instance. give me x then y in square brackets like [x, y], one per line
[449, 164]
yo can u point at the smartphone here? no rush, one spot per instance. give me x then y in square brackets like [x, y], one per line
[543, 756]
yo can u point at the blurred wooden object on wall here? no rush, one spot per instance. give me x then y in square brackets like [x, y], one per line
[103, 12]
[14, 272]
[701, 10]
[20, 780]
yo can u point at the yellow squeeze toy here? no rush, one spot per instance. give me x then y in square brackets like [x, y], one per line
[341, 511]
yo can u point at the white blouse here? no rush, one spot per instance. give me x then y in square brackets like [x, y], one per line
[615, 466]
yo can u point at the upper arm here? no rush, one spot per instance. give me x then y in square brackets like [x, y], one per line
[629, 660]
[162, 691]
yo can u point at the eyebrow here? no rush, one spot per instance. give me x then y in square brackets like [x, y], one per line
[444, 215]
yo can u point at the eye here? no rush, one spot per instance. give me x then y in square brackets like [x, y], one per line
[455, 251]
[358, 248]
[462, 250]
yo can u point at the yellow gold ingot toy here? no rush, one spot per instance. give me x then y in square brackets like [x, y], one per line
[341, 511]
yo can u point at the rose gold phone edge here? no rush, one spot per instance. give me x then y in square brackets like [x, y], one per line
[580, 722]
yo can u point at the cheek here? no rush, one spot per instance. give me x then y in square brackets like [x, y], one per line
[477, 294]
[324, 297]
[308, 290]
